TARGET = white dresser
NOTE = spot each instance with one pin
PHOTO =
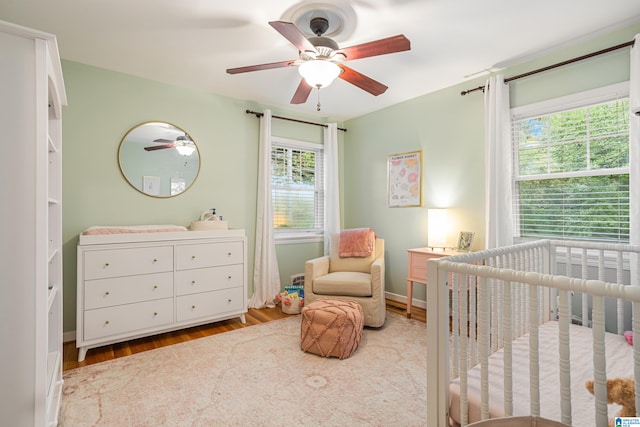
(139, 284)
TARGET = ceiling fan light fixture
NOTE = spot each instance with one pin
(319, 72)
(185, 148)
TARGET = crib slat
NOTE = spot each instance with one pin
(464, 355)
(483, 343)
(620, 303)
(599, 362)
(508, 356)
(564, 317)
(455, 326)
(534, 358)
(473, 321)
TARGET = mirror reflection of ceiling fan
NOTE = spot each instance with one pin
(183, 144)
(321, 59)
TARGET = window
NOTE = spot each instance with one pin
(297, 189)
(571, 167)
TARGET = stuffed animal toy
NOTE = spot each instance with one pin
(620, 391)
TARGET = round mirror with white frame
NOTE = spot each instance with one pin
(159, 159)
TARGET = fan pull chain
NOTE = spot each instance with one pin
(318, 106)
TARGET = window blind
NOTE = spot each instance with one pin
(297, 187)
(571, 173)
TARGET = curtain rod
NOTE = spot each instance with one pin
(559, 64)
(258, 114)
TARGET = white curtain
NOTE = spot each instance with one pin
(331, 185)
(266, 276)
(634, 152)
(497, 135)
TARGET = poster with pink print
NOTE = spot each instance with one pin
(404, 179)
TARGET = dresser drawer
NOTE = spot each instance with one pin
(125, 290)
(418, 266)
(105, 263)
(209, 279)
(209, 304)
(209, 255)
(103, 322)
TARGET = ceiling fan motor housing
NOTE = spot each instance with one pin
(319, 26)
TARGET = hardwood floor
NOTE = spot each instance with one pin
(253, 317)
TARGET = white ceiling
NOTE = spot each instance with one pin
(191, 43)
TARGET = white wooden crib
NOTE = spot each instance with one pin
(517, 331)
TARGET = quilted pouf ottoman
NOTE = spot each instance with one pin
(331, 328)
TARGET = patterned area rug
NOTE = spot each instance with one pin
(257, 376)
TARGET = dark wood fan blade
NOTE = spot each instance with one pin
(363, 82)
(166, 141)
(294, 35)
(158, 147)
(269, 66)
(302, 93)
(393, 44)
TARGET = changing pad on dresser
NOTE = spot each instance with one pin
(101, 229)
(146, 233)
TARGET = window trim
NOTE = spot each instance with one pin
(287, 237)
(569, 102)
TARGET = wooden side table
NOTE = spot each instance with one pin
(417, 269)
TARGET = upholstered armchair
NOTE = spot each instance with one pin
(359, 279)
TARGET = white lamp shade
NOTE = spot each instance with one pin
(319, 73)
(438, 228)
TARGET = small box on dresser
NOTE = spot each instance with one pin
(139, 284)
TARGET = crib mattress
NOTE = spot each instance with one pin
(619, 356)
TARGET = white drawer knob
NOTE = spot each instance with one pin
(155, 313)
(193, 282)
(155, 286)
(155, 260)
(106, 264)
(193, 307)
(106, 293)
(229, 302)
(228, 253)
(193, 257)
(106, 322)
(228, 277)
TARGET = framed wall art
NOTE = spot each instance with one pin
(404, 179)
(151, 185)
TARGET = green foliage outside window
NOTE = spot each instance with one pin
(293, 186)
(571, 174)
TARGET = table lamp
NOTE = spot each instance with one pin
(438, 226)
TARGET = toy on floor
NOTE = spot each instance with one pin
(628, 335)
(620, 391)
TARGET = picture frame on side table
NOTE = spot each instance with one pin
(404, 179)
(465, 241)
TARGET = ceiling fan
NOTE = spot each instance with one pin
(321, 59)
(182, 143)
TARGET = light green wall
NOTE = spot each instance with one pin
(449, 130)
(104, 105)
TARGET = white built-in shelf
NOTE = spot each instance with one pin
(53, 254)
(52, 146)
(52, 297)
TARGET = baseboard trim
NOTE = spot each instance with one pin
(69, 336)
(403, 299)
